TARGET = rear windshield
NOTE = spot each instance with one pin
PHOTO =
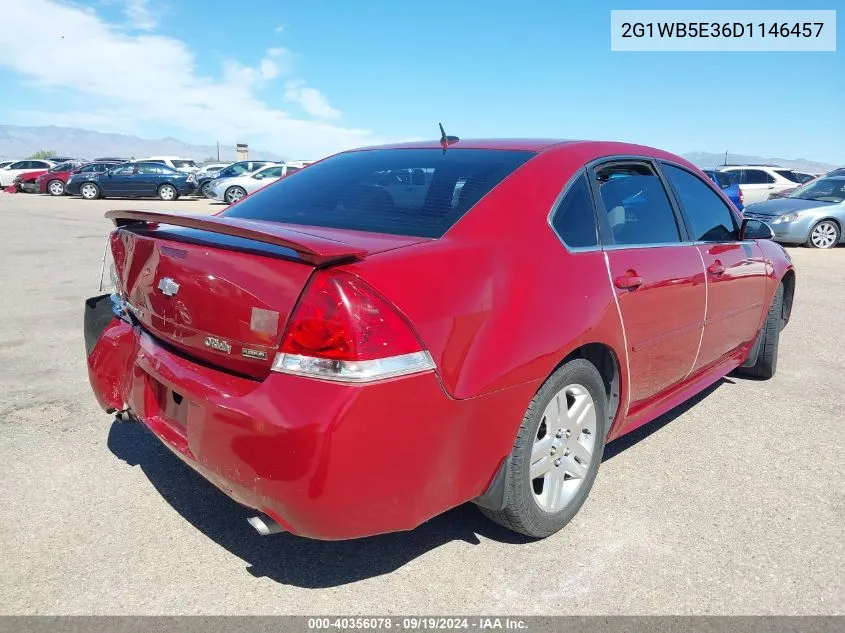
(419, 192)
(722, 178)
(786, 173)
(178, 164)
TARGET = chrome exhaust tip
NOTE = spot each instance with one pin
(265, 525)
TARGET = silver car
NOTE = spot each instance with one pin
(813, 214)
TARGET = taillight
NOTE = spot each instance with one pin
(342, 329)
(741, 197)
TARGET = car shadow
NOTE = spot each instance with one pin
(638, 435)
(308, 563)
(285, 558)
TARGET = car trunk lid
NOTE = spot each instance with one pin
(220, 290)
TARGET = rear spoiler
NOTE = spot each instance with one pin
(310, 248)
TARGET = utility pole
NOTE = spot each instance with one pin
(726, 158)
(218, 151)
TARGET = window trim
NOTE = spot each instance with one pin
(605, 236)
(680, 209)
(581, 171)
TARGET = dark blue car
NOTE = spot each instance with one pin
(729, 184)
(133, 180)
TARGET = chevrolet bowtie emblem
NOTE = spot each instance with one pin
(168, 287)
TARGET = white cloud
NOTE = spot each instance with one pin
(140, 15)
(280, 29)
(153, 80)
(310, 100)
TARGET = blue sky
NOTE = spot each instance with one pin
(314, 77)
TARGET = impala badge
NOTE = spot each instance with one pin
(254, 353)
(219, 344)
(168, 287)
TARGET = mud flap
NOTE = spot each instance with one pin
(99, 311)
(755, 350)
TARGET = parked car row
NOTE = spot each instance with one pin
(166, 177)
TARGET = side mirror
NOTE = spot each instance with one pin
(755, 230)
(259, 176)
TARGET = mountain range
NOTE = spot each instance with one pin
(20, 142)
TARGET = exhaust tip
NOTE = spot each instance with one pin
(265, 526)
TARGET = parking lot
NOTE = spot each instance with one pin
(732, 504)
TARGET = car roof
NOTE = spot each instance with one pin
(514, 144)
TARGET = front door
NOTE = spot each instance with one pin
(657, 275)
(736, 271)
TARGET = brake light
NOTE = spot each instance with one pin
(342, 329)
(741, 197)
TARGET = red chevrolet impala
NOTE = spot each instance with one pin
(395, 331)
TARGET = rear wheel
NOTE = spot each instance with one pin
(824, 234)
(204, 189)
(89, 191)
(168, 192)
(233, 194)
(557, 452)
(767, 354)
(56, 187)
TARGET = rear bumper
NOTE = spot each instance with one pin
(325, 460)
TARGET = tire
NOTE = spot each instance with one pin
(168, 193)
(538, 508)
(824, 234)
(56, 188)
(233, 194)
(204, 189)
(767, 355)
(90, 191)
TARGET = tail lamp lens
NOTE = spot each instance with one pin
(344, 330)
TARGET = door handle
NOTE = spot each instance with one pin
(628, 282)
(716, 268)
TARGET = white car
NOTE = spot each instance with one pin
(185, 165)
(230, 190)
(10, 172)
(6, 163)
(758, 181)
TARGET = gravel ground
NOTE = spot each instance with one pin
(736, 507)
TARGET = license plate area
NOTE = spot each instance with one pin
(172, 406)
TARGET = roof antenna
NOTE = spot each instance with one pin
(445, 141)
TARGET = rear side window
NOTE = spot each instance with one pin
(574, 219)
(369, 190)
(755, 177)
(789, 175)
(709, 217)
(636, 205)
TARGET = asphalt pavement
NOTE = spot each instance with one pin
(732, 504)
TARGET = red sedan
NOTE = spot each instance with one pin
(398, 330)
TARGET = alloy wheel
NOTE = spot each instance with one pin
(57, 188)
(89, 191)
(234, 194)
(824, 235)
(563, 448)
(167, 192)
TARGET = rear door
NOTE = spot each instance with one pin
(736, 271)
(656, 273)
(756, 185)
(118, 182)
(148, 178)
